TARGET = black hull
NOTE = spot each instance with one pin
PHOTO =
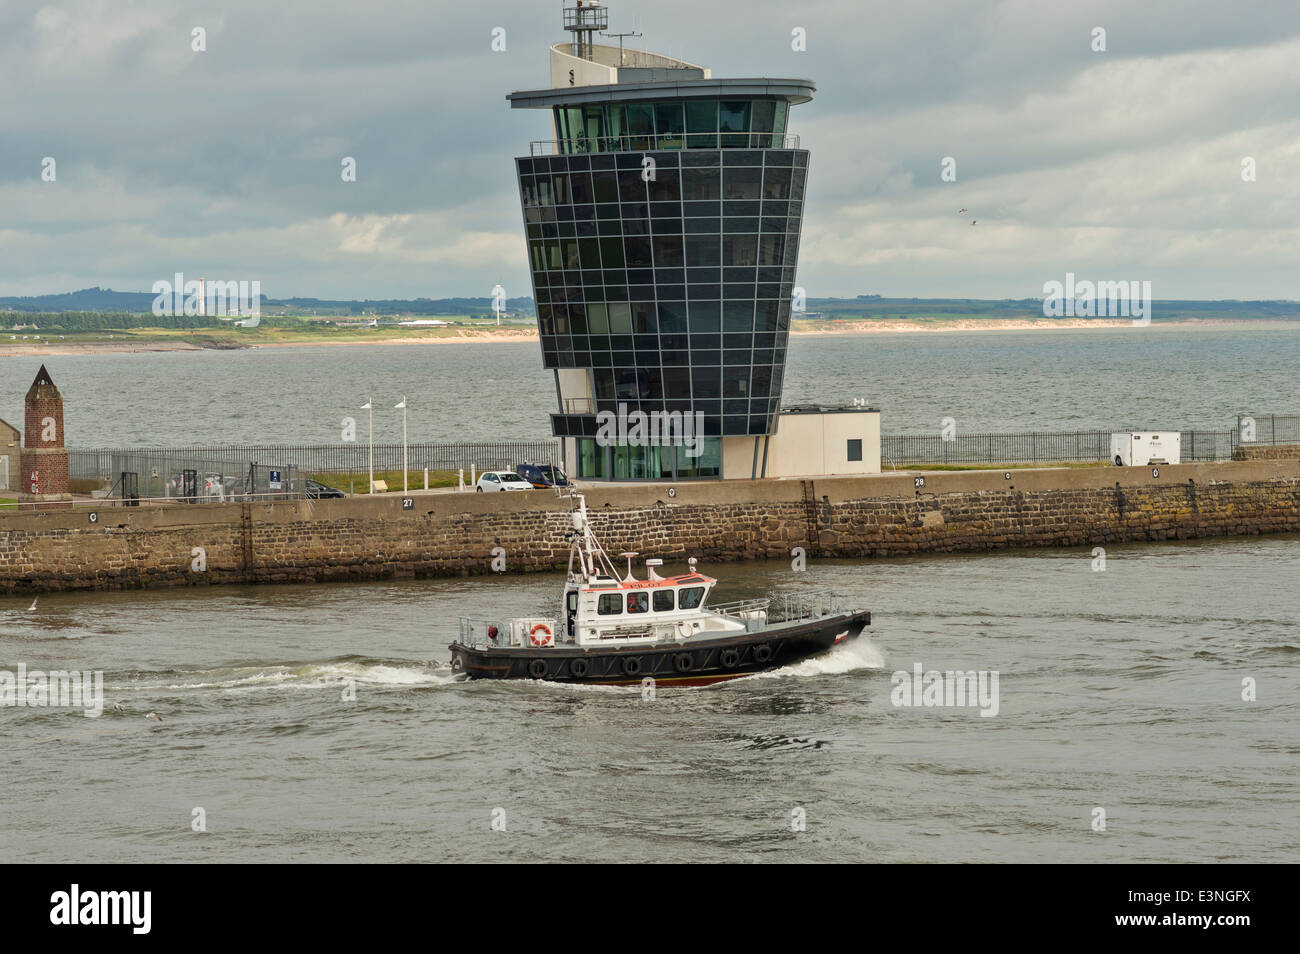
(692, 664)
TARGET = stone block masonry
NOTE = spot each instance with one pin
(364, 538)
(1266, 452)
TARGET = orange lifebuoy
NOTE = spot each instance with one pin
(545, 640)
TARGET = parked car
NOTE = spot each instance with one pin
(542, 476)
(318, 491)
(501, 480)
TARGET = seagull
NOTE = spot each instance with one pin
(118, 707)
(32, 608)
(960, 211)
(154, 715)
(972, 221)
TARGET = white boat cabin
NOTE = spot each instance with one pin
(603, 609)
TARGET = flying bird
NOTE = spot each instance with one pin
(972, 221)
(960, 211)
(32, 608)
(154, 715)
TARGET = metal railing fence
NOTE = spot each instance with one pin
(1012, 447)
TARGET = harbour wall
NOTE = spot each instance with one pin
(452, 534)
(1266, 452)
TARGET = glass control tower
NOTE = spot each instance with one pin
(663, 222)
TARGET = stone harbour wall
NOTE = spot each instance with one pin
(1266, 452)
(449, 534)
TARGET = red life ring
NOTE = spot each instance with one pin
(545, 640)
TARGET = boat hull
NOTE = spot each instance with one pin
(693, 663)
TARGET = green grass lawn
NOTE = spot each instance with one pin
(414, 478)
(295, 329)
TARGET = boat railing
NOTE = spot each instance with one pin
(502, 633)
(790, 607)
(741, 609)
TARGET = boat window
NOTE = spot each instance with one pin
(573, 602)
(611, 604)
(664, 601)
(690, 598)
(638, 602)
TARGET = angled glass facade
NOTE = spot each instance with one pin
(674, 292)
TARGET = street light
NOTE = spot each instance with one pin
(370, 406)
(403, 407)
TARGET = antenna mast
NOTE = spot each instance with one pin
(620, 43)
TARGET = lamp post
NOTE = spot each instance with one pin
(403, 407)
(370, 406)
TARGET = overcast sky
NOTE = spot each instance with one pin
(1118, 164)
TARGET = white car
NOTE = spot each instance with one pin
(501, 480)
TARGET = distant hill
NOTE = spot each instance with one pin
(107, 300)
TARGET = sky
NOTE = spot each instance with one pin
(1117, 164)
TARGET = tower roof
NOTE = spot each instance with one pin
(43, 380)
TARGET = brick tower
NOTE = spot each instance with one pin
(44, 458)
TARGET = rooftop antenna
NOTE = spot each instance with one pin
(582, 21)
(620, 43)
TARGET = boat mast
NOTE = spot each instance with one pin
(593, 556)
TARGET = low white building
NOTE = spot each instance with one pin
(810, 441)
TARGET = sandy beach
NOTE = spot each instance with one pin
(497, 335)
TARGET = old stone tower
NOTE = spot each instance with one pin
(44, 458)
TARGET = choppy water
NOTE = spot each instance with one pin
(1162, 377)
(1118, 689)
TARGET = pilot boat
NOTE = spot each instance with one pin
(619, 630)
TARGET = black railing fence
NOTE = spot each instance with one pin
(1267, 429)
(163, 463)
(1015, 447)
(218, 464)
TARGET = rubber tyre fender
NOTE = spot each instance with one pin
(762, 653)
(537, 668)
(683, 662)
(632, 666)
(729, 658)
(578, 668)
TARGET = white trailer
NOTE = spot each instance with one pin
(1141, 448)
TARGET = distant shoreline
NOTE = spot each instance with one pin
(815, 328)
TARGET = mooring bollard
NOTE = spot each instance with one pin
(426, 478)
(460, 480)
